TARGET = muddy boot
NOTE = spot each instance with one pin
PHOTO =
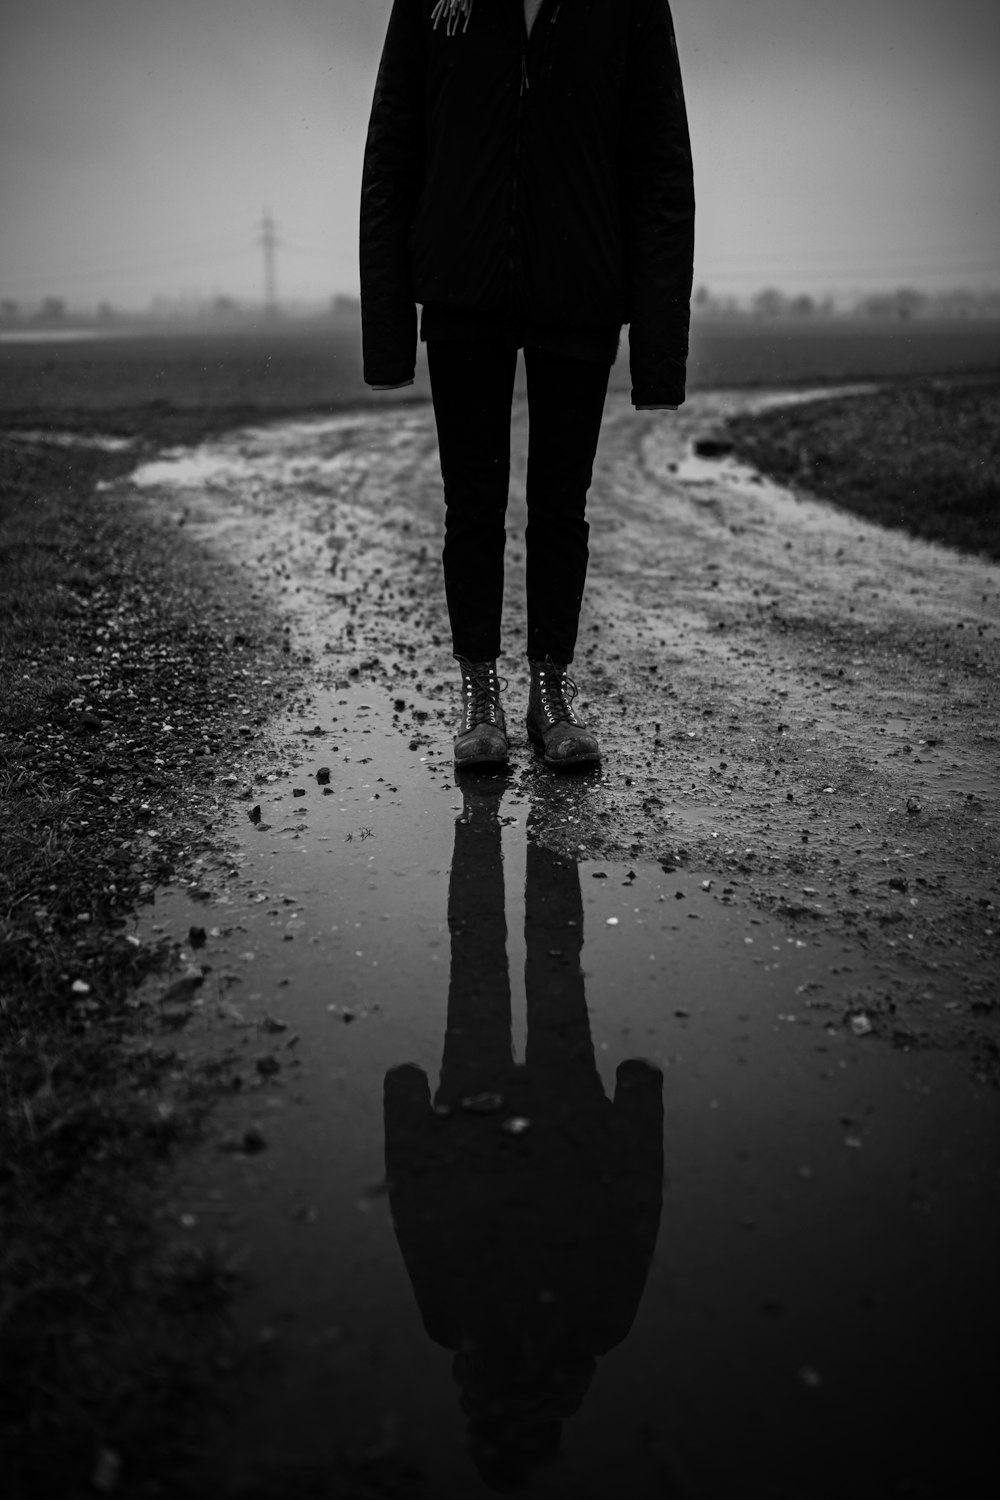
(482, 737)
(551, 720)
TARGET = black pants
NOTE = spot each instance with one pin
(472, 385)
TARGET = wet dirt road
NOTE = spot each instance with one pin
(634, 1132)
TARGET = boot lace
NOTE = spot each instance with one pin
(557, 690)
(480, 694)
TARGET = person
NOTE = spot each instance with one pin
(527, 181)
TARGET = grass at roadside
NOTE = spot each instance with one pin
(132, 673)
(921, 458)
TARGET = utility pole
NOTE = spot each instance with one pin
(268, 241)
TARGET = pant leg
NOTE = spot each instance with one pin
(472, 387)
(565, 406)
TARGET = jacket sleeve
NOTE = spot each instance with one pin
(391, 182)
(657, 209)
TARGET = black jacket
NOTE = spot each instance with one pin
(530, 182)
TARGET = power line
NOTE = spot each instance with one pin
(130, 268)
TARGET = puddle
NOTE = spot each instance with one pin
(572, 1173)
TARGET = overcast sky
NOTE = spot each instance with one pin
(839, 144)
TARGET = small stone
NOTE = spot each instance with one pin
(914, 806)
(516, 1125)
(175, 1015)
(712, 447)
(860, 1025)
(253, 1140)
(298, 791)
(254, 813)
(182, 989)
(323, 775)
(268, 1066)
(611, 922)
(197, 937)
(80, 987)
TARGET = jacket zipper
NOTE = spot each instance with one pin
(525, 85)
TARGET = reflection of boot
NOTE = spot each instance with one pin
(481, 798)
(551, 720)
(482, 735)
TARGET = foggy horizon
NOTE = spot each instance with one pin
(836, 153)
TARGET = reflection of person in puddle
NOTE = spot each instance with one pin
(527, 1245)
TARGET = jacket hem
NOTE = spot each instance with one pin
(438, 321)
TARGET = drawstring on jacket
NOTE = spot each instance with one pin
(451, 9)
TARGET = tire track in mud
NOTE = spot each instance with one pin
(787, 696)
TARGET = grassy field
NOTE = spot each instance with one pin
(923, 458)
(159, 382)
(791, 352)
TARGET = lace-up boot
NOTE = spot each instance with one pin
(482, 737)
(551, 720)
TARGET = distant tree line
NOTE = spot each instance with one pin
(56, 312)
(900, 304)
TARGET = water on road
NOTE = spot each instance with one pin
(542, 1169)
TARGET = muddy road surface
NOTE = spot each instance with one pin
(632, 1132)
